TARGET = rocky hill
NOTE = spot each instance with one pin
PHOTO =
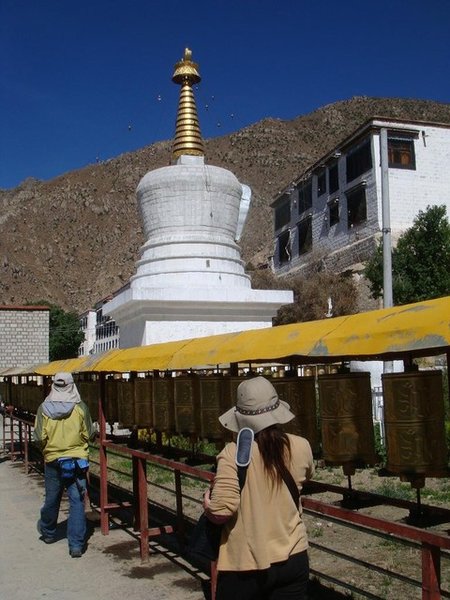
(75, 239)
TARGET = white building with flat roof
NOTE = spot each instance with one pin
(101, 333)
(333, 210)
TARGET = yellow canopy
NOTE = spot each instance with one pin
(420, 329)
(416, 329)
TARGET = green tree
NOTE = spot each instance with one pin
(420, 261)
(65, 333)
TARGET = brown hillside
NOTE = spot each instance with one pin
(74, 240)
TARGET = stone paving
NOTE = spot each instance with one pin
(110, 569)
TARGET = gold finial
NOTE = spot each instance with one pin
(188, 139)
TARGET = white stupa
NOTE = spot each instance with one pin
(190, 279)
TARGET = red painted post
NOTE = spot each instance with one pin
(104, 512)
(143, 507)
(25, 448)
(431, 572)
(179, 501)
(4, 431)
(213, 580)
(19, 421)
(11, 431)
(136, 506)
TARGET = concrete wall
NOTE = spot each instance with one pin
(429, 184)
(88, 321)
(24, 335)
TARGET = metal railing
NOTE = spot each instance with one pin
(434, 547)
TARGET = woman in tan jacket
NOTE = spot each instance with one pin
(263, 551)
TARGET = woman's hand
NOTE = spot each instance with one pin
(217, 519)
(206, 499)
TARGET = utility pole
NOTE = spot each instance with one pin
(386, 221)
(388, 301)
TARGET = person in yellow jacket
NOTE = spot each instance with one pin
(63, 428)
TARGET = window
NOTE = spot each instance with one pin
(333, 212)
(321, 183)
(284, 247)
(283, 213)
(333, 179)
(356, 206)
(359, 160)
(401, 153)
(305, 197)
(304, 229)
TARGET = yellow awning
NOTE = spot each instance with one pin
(141, 358)
(420, 329)
(70, 365)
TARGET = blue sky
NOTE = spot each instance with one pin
(91, 79)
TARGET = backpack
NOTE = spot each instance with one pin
(71, 467)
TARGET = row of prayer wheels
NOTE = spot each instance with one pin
(339, 426)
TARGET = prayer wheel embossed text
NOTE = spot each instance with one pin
(300, 394)
(414, 424)
(346, 416)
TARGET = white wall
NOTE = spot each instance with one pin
(413, 190)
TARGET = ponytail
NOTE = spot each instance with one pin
(275, 450)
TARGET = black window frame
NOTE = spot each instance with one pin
(305, 197)
(333, 178)
(283, 243)
(322, 182)
(304, 233)
(333, 212)
(356, 214)
(394, 161)
(359, 160)
(282, 214)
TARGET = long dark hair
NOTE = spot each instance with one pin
(275, 449)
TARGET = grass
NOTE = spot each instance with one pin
(121, 469)
(440, 495)
(396, 489)
(316, 531)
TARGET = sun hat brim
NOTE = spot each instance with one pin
(235, 421)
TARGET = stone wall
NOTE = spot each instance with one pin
(24, 335)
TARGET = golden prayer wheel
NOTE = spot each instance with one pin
(90, 392)
(414, 425)
(230, 391)
(18, 400)
(34, 395)
(111, 397)
(300, 394)
(163, 404)
(215, 399)
(187, 419)
(125, 403)
(347, 425)
(143, 402)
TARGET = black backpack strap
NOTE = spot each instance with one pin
(292, 486)
(242, 475)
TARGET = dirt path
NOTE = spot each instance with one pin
(110, 569)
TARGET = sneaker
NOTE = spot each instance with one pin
(75, 552)
(45, 538)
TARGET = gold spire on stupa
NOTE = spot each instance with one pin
(188, 139)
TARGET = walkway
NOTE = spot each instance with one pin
(110, 569)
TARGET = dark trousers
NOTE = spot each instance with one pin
(54, 487)
(286, 580)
